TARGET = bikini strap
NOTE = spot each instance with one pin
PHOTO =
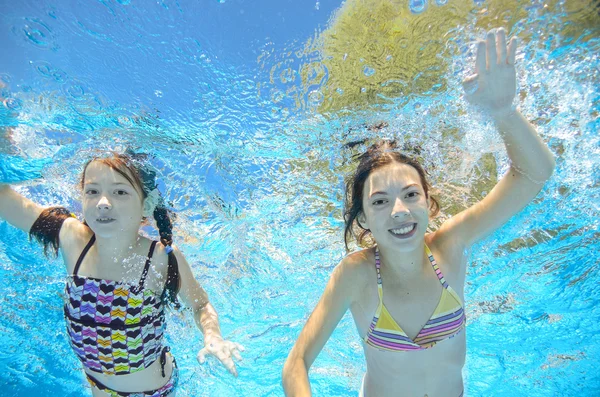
(147, 265)
(83, 254)
(435, 266)
(378, 268)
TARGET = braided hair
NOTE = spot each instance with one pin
(136, 169)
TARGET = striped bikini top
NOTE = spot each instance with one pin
(114, 327)
(447, 320)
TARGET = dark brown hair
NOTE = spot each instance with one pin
(46, 229)
(377, 155)
(133, 168)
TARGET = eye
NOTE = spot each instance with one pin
(379, 202)
(412, 194)
(91, 191)
(121, 192)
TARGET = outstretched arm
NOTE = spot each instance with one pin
(334, 302)
(54, 227)
(207, 320)
(17, 210)
(493, 89)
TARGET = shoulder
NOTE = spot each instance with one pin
(449, 252)
(356, 269)
(445, 241)
(158, 262)
(74, 234)
(160, 259)
(358, 261)
(159, 254)
(182, 262)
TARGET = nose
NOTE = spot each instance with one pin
(104, 204)
(399, 210)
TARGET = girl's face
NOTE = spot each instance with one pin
(111, 205)
(395, 207)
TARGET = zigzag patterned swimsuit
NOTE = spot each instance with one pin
(116, 328)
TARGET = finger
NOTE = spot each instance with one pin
(470, 79)
(223, 354)
(236, 354)
(480, 59)
(501, 46)
(491, 49)
(470, 84)
(201, 357)
(512, 50)
(228, 363)
(238, 346)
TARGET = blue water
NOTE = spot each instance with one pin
(255, 171)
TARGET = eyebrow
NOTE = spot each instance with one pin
(114, 184)
(403, 189)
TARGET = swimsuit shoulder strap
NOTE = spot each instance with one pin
(83, 254)
(436, 268)
(378, 268)
(147, 265)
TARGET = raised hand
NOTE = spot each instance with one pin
(493, 86)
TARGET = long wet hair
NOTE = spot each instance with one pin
(134, 168)
(376, 156)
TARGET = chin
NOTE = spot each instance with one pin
(112, 230)
(407, 247)
(104, 232)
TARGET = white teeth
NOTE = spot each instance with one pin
(404, 230)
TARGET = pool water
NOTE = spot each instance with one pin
(246, 108)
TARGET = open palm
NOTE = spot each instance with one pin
(493, 86)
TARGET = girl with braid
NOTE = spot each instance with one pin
(120, 281)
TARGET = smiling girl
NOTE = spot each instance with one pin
(119, 281)
(406, 292)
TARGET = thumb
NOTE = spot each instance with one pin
(201, 357)
(470, 84)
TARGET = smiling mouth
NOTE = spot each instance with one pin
(105, 221)
(404, 231)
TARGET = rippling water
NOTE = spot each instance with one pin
(246, 109)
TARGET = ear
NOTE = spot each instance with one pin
(150, 203)
(362, 221)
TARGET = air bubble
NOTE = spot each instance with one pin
(368, 71)
(36, 32)
(277, 96)
(74, 89)
(315, 97)
(12, 103)
(47, 70)
(417, 6)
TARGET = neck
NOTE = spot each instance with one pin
(404, 264)
(117, 248)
